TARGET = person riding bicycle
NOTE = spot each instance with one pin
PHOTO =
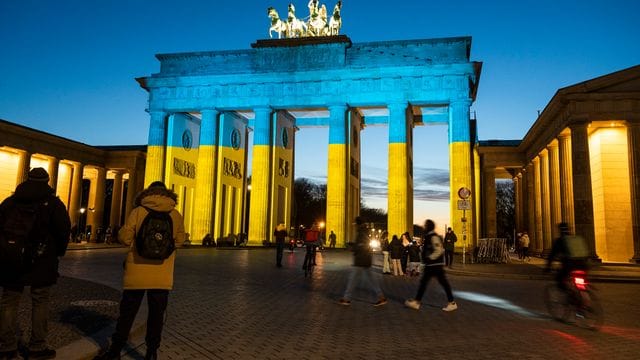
(572, 251)
(311, 242)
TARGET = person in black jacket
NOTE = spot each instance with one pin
(361, 265)
(53, 229)
(395, 251)
(433, 259)
(280, 233)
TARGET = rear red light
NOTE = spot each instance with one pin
(580, 280)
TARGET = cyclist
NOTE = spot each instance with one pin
(311, 242)
(572, 251)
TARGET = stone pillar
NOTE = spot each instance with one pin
(489, 195)
(261, 175)
(531, 203)
(132, 192)
(76, 194)
(566, 180)
(516, 196)
(546, 203)
(156, 149)
(582, 192)
(52, 169)
(116, 201)
(338, 173)
(536, 241)
(24, 165)
(554, 188)
(95, 215)
(633, 144)
(399, 174)
(460, 169)
(206, 176)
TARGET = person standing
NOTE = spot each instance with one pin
(395, 251)
(332, 239)
(404, 259)
(433, 259)
(361, 265)
(145, 275)
(524, 245)
(280, 234)
(384, 245)
(450, 239)
(50, 229)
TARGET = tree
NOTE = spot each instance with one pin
(505, 208)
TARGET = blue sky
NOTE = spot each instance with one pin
(68, 66)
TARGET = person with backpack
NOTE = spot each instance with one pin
(34, 232)
(151, 231)
(433, 259)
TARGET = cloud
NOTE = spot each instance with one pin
(430, 177)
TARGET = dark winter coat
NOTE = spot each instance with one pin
(396, 248)
(450, 239)
(361, 250)
(55, 224)
(414, 252)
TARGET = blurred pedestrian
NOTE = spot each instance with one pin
(433, 259)
(332, 239)
(395, 252)
(143, 274)
(361, 268)
(32, 215)
(280, 233)
(450, 239)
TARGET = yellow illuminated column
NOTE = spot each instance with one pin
(399, 171)
(54, 163)
(460, 170)
(476, 202)
(489, 193)
(116, 200)
(531, 203)
(566, 179)
(633, 146)
(554, 188)
(260, 176)
(582, 191)
(76, 193)
(536, 241)
(337, 173)
(205, 176)
(23, 167)
(156, 149)
(544, 246)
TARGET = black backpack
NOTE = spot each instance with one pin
(155, 237)
(22, 239)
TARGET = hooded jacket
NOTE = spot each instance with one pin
(55, 223)
(142, 273)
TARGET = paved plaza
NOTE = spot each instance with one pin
(236, 304)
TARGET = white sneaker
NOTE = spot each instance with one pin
(412, 304)
(450, 306)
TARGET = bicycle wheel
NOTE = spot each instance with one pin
(557, 303)
(590, 314)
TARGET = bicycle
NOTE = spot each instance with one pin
(309, 260)
(578, 302)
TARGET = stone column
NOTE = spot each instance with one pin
(116, 201)
(24, 165)
(98, 203)
(536, 243)
(398, 170)
(582, 192)
(633, 145)
(261, 175)
(554, 188)
(460, 169)
(52, 169)
(566, 180)
(531, 203)
(338, 173)
(546, 203)
(517, 184)
(156, 149)
(489, 195)
(132, 192)
(76, 194)
(206, 176)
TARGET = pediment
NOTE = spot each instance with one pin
(627, 80)
(632, 85)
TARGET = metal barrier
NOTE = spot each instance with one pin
(492, 250)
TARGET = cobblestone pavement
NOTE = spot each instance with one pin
(235, 304)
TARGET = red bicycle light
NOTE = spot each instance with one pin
(579, 279)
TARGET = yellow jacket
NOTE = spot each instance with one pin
(141, 273)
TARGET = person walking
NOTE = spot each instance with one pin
(143, 274)
(395, 251)
(280, 234)
(34, 216)
(384, 246)
(433, 259)
(332, 239)
(450, 239)
(361, 265)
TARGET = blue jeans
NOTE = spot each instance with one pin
(9, 317)
(364, 276)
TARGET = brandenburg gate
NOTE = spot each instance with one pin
(202, 106)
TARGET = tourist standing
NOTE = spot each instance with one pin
(384, 246)
(33, 206)
(395, 252)
(280, 233)
(450, 239)
(524, 245)
(332, 239)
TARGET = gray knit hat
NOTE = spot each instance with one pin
(38, 174)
